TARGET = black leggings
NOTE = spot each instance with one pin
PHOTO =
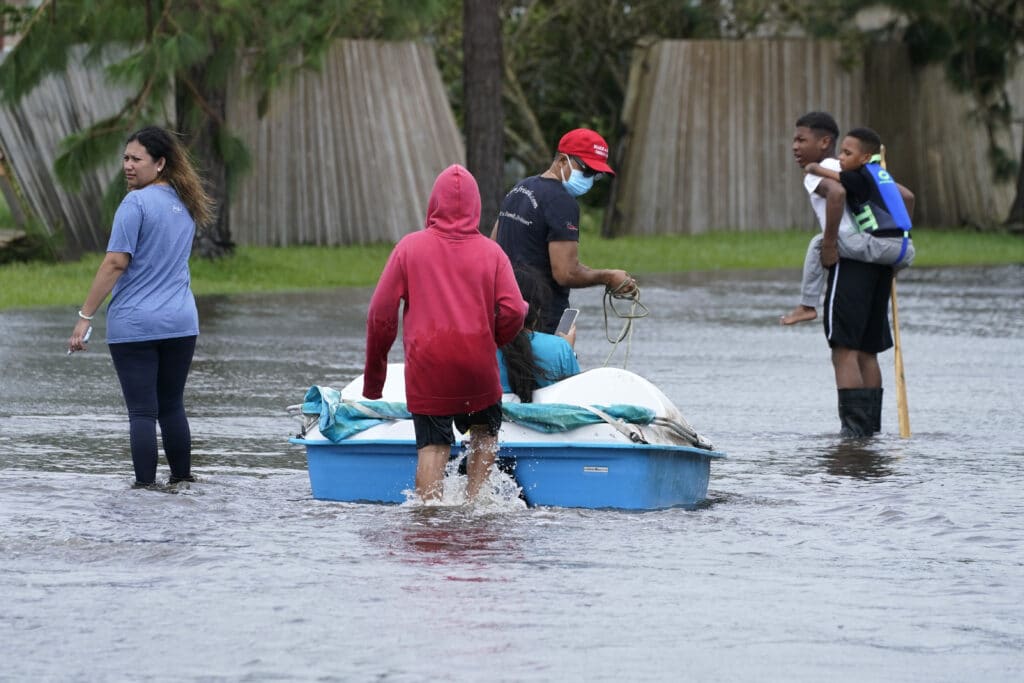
(152, 375)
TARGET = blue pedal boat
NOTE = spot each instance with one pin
(606, 438)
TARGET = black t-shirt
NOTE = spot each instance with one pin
(858, 185)
(537, 211)
(861, 192)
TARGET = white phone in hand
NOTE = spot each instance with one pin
(569, 316)
(85, 337)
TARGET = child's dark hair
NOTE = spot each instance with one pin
(520, 364)
(820, 122)
(869, 141)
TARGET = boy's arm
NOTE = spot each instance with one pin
(817, 169)
(908, 199)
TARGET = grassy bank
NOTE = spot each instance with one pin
(254, 269)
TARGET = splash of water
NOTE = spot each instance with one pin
(499, 493)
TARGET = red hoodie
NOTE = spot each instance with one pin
(461, 302)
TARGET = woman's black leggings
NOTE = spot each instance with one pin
(153, 375)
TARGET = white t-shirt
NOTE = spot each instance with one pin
(811, 182)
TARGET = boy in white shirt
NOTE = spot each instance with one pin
(870, 245)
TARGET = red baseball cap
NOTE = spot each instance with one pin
(588, 146)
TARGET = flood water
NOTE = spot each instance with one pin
(893, 560)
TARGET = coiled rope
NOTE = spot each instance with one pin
(613, 301)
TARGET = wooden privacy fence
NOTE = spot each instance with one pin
(708, 128)
(345, 155)
(30, 136)
(348, 154)
(934, 144)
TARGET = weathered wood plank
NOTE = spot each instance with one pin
(349, 154)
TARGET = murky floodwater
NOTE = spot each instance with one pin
(896, 560)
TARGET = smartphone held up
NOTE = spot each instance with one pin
(568, 319)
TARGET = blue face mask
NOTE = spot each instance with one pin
(577, 184)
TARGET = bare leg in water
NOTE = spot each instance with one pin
(482, 450)
(430, 466)
(856, 369)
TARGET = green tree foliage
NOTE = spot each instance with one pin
(980, 43)
(566, 64)
(177, 58)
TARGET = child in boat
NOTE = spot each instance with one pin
(535, 359)
(881, 210)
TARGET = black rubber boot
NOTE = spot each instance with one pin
(876, 410)
(855, 412)
(177, 480)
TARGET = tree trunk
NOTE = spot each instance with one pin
(1015, 221)
(201, 114)
(482, 106)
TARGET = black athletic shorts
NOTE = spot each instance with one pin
(435, 430)
(856, 306)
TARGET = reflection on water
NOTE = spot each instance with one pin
(439, 535)
(813, 558)
(858, 459)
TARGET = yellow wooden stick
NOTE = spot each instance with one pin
(901, 386)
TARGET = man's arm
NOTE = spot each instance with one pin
(569, 272)
(494, 231)
(835, 204)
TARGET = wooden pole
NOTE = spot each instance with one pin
(901, 385)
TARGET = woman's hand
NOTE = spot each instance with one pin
(77, 340)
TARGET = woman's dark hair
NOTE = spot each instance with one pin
(520, 365)
(178, 171)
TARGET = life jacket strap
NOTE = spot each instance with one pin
(903, 247)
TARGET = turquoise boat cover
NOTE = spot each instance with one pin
(340, 419)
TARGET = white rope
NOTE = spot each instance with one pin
(636, 310)
(631, 432)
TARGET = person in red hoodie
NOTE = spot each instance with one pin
(461, 302)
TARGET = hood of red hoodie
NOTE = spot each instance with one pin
(454, 207)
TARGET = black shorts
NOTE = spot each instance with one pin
(856, 306)
(436, 430)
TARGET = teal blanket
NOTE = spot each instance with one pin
(341, 419)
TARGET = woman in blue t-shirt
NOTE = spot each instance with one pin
(152, 321)
(535, 359)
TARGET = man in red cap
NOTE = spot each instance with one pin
(538, 223)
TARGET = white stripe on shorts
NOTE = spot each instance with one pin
(832, 300)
